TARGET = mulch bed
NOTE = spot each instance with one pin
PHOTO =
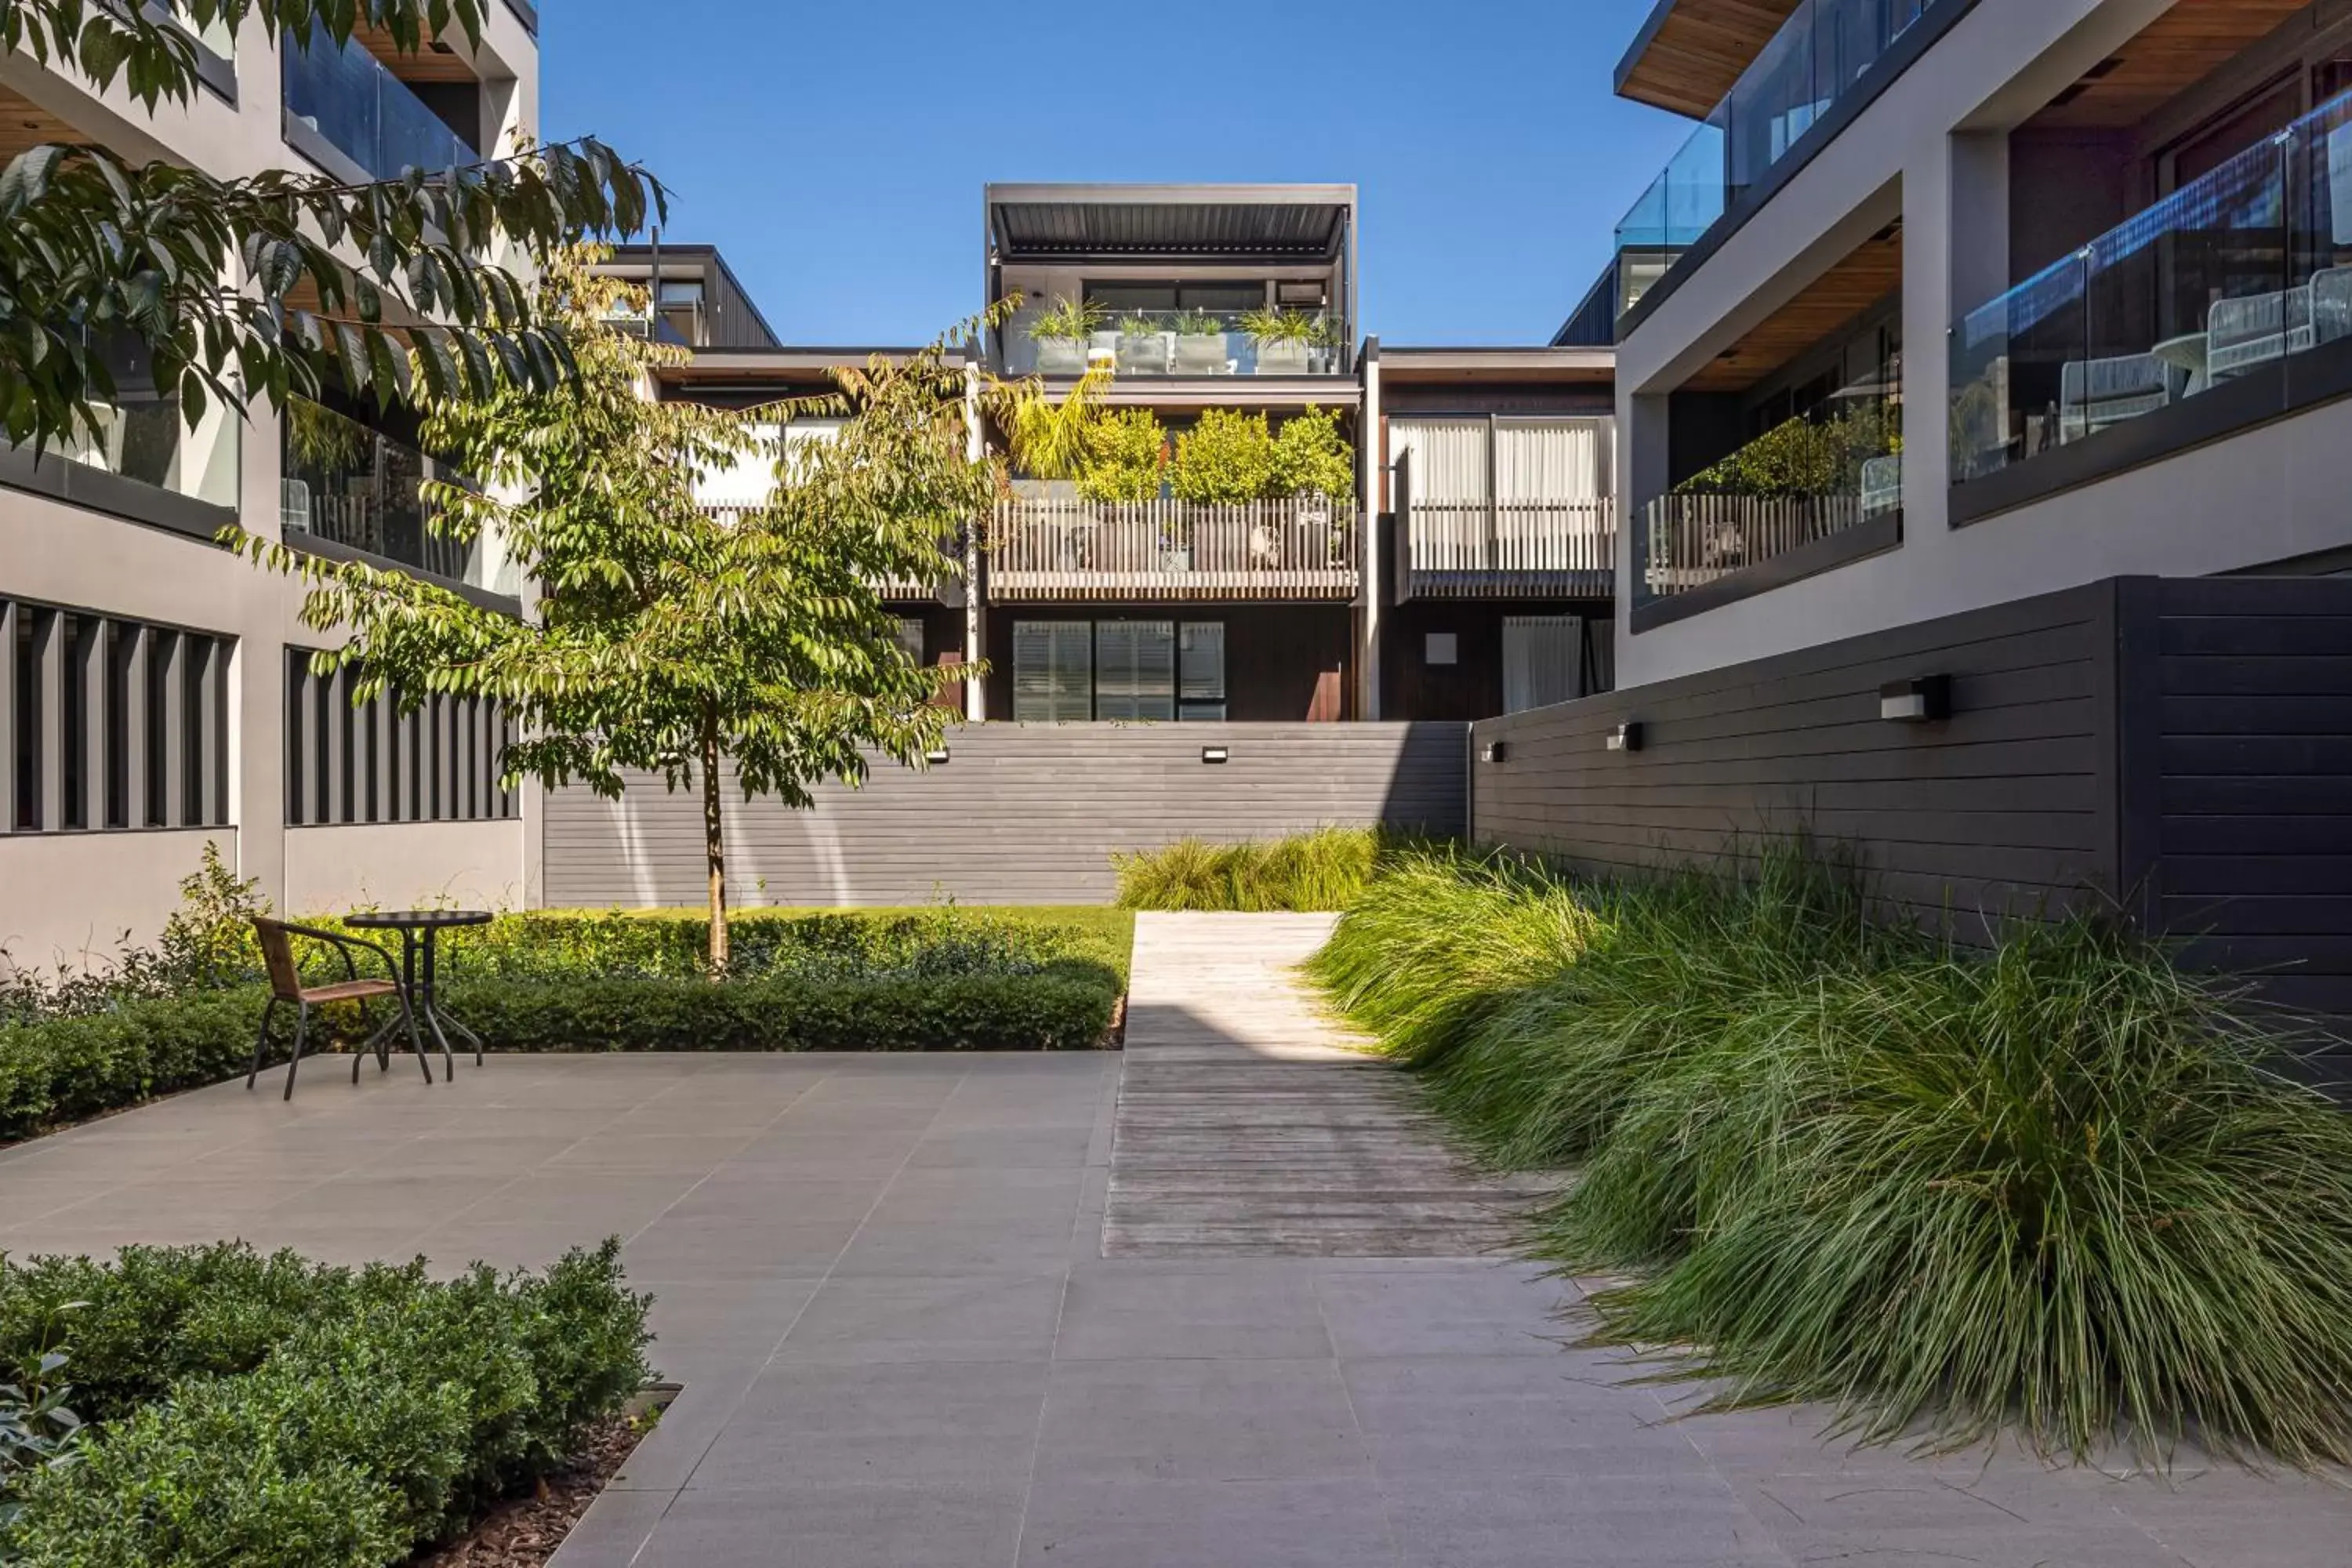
(523, 1532)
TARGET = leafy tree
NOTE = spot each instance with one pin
(252, 286)
(667, 639)
(1227, 456)
(1311, 457)
(1126, 456)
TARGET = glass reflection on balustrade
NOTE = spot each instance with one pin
(1818, 59)
(142, 434)
(365, 112)
(354, 486)
(2237, 271)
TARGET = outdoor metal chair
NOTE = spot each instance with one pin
(276, 938)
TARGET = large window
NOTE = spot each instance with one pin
(1137, 672)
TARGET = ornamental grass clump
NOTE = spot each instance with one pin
(2057, 1188)
(1318, 871)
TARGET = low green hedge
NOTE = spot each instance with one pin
(972, 1013)
(55, 1071)
(271, 1413)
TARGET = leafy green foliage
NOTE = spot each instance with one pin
(1806, 457)
(2057, 1187)
(668, 639)
(1267, 325)
(1227, 456)
(1311, 457)
(92, 245)
(276, 1412)
(1230, 458)
(1126, 457)
(39, 1429)
(1326, 870)
(1067, 320)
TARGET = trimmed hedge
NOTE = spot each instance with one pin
(970, 1013)
(273, 1413)
(60, 1070)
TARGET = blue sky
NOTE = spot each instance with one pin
(835, 151)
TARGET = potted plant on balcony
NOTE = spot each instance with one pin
(1142, 345)
(1330, 344)
(1285, 340)
(1200, 347)
(1062, 335)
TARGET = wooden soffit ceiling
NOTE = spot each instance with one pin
(1867, 275)
(1691, 51)
(25, 125)
(434, 60)
(2165, 60)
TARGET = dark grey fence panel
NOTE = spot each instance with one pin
(1016, 815)
(2006, 806)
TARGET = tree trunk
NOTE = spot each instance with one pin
(714, 841)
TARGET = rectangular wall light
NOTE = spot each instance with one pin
(1213, 755)
(937, 755)
(1626, 737)
(1924, 700)
(1495, 751)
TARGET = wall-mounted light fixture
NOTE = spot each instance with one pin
(937, 756)
(1926, 699)
(1626, 737)
(1213, 755)
(1495, 751)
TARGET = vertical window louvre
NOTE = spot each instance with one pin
(1053, 672)
(1135, 671)
(110, 724)
(1200, 670)
(351, 763)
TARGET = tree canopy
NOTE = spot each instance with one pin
(667, 637)
(257, 285)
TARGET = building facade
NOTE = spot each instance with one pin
(1983, 441)
(155, 688)
(1464, 571)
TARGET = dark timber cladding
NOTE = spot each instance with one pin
(2181, 746)
(1017, 813)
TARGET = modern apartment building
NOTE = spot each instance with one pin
(2055, 287)
(154, 689)
(1467, 570)
(1983, 444)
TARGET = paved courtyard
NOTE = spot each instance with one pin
(961, 1311)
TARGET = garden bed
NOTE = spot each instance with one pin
(882, 980)
(274, 1413)
(526, 1532)
(2057, 1187)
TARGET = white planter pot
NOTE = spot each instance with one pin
(1143, 353)
(1204, 354)
(1282, 359)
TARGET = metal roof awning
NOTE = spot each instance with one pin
(1298, 224)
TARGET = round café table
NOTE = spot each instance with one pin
(419, 930)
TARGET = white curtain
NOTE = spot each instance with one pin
(1553, 459)
(1448, 458)
(746, 481)
(1542, 662)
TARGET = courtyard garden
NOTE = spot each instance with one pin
(2052, 1187)
(186, 1012)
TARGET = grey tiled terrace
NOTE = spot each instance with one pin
(883, 1281)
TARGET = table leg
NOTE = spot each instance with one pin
(432, 1007)
(416, 998)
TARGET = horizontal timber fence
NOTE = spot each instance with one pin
(1016, 814)
(2180, 746)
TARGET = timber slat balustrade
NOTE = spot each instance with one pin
(1051, 547)
(1464, 549)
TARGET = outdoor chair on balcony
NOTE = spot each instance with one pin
(2255, 329)
(286, 985)
(2096, 394)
